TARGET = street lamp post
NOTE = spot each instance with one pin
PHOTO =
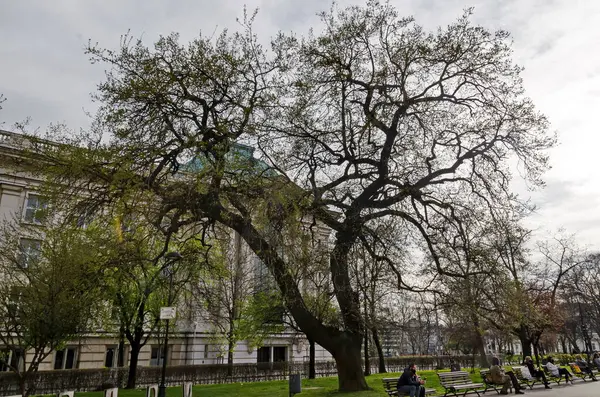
(170, 257)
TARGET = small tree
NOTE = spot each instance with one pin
(135, 263)
(50, 289)
(233, 297)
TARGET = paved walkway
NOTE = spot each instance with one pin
(579, 389)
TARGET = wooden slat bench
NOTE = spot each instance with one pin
(487, 381)
(525, 381)
(550, 377)
(580, 374)
(459, 382)
(391, 388)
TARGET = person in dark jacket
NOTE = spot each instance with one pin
(585, 367)
(410, 383)
(597, 360)
(536, 373)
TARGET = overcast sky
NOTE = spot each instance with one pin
(46, 76)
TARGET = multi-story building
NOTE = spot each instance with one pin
(193, 342)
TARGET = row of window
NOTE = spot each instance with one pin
(67, 358)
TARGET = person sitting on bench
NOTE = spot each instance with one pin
(558, 371)
(597, 360)
(499, 377)
(410, 383)
(584, 367)
(536, 373)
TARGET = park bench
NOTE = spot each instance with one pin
(550, 377)
(459, 382)
(391, 388)
(580, 374)
(487, 381)
(529, 382)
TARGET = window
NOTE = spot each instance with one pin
(13, 301)
(263, 354)
(35, 207)
(279, 353)
(157, 356)
(264, 281)
(65, 359)
(11, 358)
(85, 219)
(110, 357)
(206, 351)
(30, 251)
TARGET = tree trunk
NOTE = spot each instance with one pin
(480, 348)
(23, 386)
(537, 354)
(525, 343)
(312, 373)
(350, 373)
(230, 356)
(120, 357)
(366, 351)
(563, 345)
(377, 342)
(345, 345)
(121, 349)
(133, 364)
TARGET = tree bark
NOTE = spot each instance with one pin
(344, 345)
(525, 343)
(312, 373)
(366, 351)
(537, 354)
(230, 356)
(563, 345)
(121, 349)
(377, 342)
(133, 364)
(480, 346)
(347, 358)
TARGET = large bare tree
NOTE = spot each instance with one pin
(371, 118)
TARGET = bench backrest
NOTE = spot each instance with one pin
(518, 372)
(484, 375)
(390, 383)
(454, 378)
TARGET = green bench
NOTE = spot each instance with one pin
(550, 377)
(582, 375)
(391, 388)
(459, 382)
(525, 381)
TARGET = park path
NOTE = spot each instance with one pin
(579, 389)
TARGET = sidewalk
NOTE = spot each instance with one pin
(579, 389)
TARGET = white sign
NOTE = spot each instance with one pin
(167, 313)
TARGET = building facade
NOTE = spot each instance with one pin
(192, 342)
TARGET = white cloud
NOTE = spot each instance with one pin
(45, 74)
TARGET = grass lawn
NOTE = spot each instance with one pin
(310, 388)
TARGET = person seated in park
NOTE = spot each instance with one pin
(410, 383)
(597, 360)
(558, 371)
(536, 373)
(585, 367)
(499, 377)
